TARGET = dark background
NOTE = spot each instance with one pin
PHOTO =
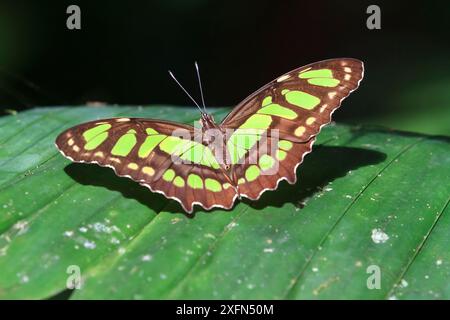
(124, 49)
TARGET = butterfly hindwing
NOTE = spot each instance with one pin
(148, 152)
(264, 167)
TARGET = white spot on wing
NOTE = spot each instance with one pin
(323, 108)
(283, 77)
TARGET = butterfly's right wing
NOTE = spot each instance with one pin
(295, 106)
(160, 155)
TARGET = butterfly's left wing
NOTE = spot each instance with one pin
(161, 155)
(296, 105)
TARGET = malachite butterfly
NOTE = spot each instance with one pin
(273, 128)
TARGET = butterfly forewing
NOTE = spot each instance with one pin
(301, 101)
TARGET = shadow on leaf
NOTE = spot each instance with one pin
(322, 166)
(94, 175)
(319, 168)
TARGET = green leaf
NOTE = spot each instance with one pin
(365, 196)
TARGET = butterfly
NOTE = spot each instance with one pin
(259, 143)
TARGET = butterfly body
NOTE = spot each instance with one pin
(260, 142)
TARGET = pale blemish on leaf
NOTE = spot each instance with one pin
(378, 236)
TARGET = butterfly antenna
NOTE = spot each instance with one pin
(198, 106)
(200, 85)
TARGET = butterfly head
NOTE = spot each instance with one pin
(207, 121)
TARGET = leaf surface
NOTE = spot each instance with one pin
(365, 196)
